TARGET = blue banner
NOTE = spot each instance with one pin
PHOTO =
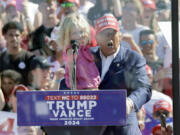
(71, 108)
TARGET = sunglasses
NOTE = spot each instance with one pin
(67, 4)
(144, 42)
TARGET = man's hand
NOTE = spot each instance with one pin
(129, 106)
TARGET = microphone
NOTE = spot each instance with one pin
(75, 46)
(110, 44)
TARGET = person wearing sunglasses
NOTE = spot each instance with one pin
(67, 7)
(148, 44)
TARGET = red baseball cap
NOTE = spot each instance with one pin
(77, 2)
(162, 105)
(106, 21)
(149, 3)
(19, 87)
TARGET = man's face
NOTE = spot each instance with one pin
(108, 40)
(148, 44)
(13, 40)
(50, 9)
(41, 76)
(129, 13)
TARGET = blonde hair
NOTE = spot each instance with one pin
(72, 21)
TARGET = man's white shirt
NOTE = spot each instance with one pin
(106, 62)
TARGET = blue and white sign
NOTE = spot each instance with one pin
(71, 108)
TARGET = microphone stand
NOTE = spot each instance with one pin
(75, 54)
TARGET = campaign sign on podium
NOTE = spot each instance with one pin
(71, 108)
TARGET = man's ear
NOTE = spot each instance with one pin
(97, 37)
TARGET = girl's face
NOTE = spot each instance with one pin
(78, 35)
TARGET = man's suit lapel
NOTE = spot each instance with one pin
(115, 66)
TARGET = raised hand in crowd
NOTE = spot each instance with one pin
(129, 39)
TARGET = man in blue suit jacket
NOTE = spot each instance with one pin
(121, 68)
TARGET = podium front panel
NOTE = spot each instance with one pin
(71, 108)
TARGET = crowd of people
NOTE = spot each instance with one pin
(120, 46)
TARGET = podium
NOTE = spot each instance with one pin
(74, 112)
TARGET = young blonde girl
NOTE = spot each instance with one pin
(75, 27)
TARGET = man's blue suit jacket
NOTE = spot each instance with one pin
(127, 71)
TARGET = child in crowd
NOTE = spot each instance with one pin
(75, 27)
(9, 78)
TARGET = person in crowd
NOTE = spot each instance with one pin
(11, 14)
(9, 78)
(163, 10)
(56, 59)
(76, 28)
(15, 57)
(39, 74)
(130, 22)
(148, 44)
(156, 95)
(162, 107)
(71, 6)
(50, 20)
(104, 6)
(149, 19)
(67, 7)
(29, 10)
